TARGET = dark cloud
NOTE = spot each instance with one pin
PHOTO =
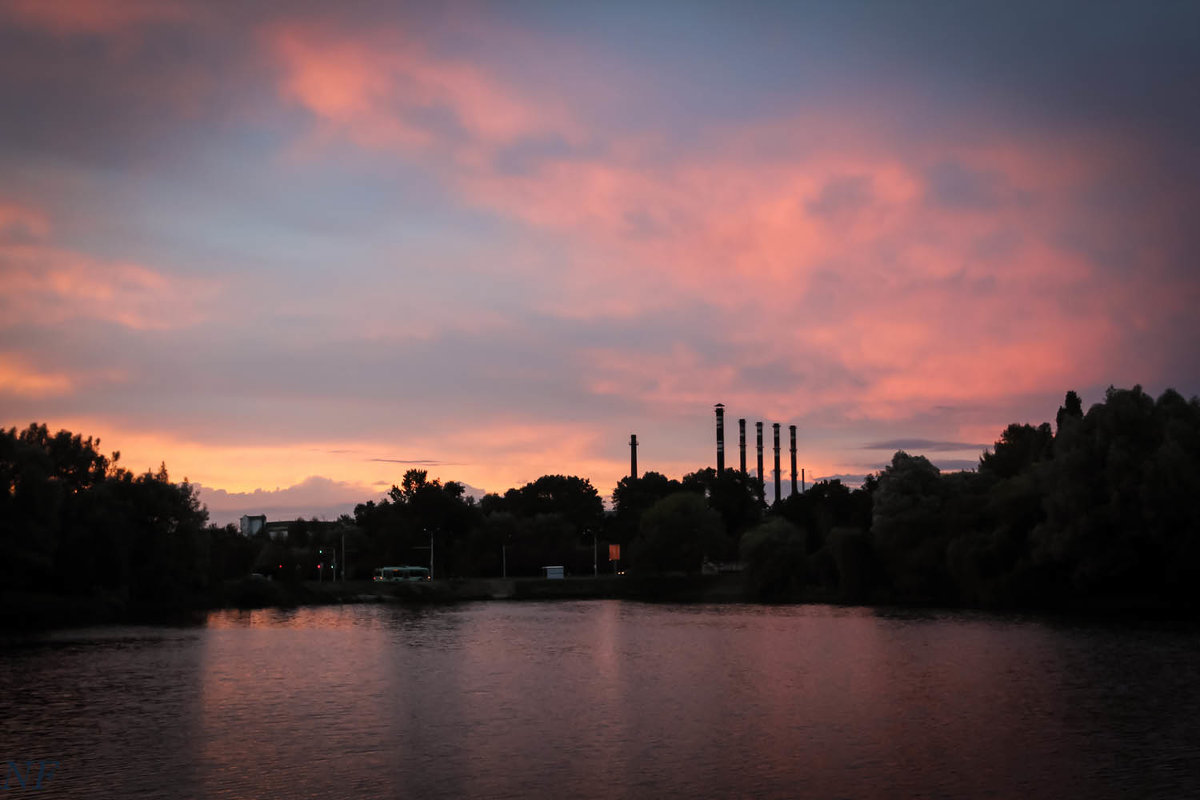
(954, 186)
(841, 196)
(133, 98)
(525, 157)
(816, 370)
(1071, 64)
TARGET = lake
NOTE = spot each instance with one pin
(605, 699)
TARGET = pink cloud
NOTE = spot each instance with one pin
(923, 315)
(46, 285)
(382, 91)
(743, 226)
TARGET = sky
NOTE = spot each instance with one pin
(294, 249)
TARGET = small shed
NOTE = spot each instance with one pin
(553, 573)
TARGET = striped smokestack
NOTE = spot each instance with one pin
(775, 425)
(761, 478)
(720, 439)
(792, 430)
(633, 456)
(742, 443)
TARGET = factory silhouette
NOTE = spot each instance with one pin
(797, 477)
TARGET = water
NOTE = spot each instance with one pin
(606, 699)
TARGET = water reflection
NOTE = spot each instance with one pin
(105, 704)
(609, 699)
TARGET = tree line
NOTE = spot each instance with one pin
(1098, 510)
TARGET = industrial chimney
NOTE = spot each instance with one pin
(633, 456)
(742, 444)
(792, 430)
(720, 439)
(761, 477)
(775, 425)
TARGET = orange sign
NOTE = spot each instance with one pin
(614, 552)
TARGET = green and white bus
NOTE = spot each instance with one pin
(401, 574)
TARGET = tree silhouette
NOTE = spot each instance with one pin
(678, 533)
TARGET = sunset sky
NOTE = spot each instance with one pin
(294, 249)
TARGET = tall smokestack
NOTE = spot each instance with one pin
(761, 477)
(633, 456)
(720, 439)
(775, 425)
(792, 431)
(742, 443)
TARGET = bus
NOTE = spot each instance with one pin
(401, 574)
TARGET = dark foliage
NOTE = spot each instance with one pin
(554, 520)
(74, 523)
(1100, 514)
(679, 534)
(415, 516)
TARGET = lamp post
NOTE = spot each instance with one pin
(415, 547)
(321, 562)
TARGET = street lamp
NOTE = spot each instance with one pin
(321, 563)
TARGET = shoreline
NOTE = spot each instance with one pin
(24, 613)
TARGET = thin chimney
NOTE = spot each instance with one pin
(633, 456)
(742, 443)
(792, 430)
(761, 477)
(720, 407)
(775, 425)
